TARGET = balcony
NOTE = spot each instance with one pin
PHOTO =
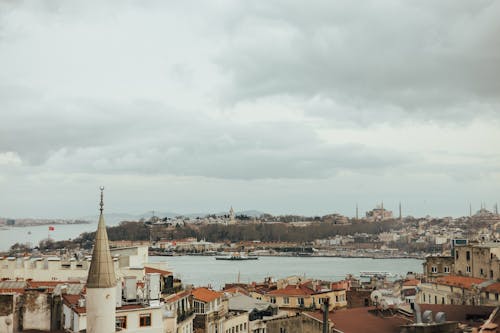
(184, 315)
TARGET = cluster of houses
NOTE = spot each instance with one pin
(120, 290)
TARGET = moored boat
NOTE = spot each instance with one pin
(237, 256)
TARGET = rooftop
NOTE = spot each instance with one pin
(459, 281)
(206, 295)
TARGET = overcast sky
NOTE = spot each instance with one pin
(286, 106)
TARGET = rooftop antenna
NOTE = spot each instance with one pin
(400, 215)
(470, 209)
(357, 216)
(496, 208)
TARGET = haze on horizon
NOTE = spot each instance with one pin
(286, 107)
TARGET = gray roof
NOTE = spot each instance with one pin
(247, 303)
(102, 270)
(71, 288)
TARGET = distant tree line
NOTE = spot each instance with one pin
(265, 232)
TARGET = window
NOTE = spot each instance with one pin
(241, 327)
(496, 296)
(435, 300)
(467, 269)
(456, 255)
(336, 298)
(467, 255)
(491, 274)
(424, 297)
(272, 300)
(442, 300)
(487, 295)
(199, 307)
(121, 321)
(244, 326)
(237, 329)
(301, 301)
(434, 269)
(446, 269)
(286, 300)
(481, 271)
(145, 319)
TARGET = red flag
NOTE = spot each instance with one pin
(51, 228)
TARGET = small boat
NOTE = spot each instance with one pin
(236, 256)
(375, 274)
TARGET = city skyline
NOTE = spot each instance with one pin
(280, 107)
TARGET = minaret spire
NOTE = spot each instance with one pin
(102, 271)
(101, 204)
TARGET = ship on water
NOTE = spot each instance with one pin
(236, 256)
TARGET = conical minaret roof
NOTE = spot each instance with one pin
(102, 271)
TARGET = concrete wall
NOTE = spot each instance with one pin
(238, 322)
(36, 310)
(482, 261)
(133, 320)
(8, 322)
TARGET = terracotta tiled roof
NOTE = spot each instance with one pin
(156, 270)
(235, 290)
(493, 288)
(72, 302)
(292, 290)
(359, 320)
(204, 294)
(411, 283)
(178, 296)
(459, 281)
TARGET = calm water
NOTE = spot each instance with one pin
(34, 235)
(199, 270)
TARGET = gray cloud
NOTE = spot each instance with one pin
(250, 93)
(437, 60)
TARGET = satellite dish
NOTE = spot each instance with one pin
(440, 317)
(427, 316)
(376, 296)
(8, 321)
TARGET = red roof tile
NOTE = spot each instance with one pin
(362, 320)
(204, 294)
(178, 296)
(459, 281)
(292, 290)
(156, 270)
(411, 283)
(495, 288)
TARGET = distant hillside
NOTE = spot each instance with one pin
(115, 218)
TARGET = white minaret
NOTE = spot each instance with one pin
(101, 283)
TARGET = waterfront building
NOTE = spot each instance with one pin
(127, 261)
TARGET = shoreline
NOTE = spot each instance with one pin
(153, 254)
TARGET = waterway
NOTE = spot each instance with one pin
(34, 234)
(205, 270)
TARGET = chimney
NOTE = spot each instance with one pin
(325, 315)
